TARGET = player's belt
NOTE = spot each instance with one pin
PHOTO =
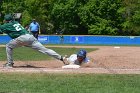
(25, 34)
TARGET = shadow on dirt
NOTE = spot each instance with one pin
(27, 66)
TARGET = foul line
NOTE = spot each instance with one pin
(69, 70)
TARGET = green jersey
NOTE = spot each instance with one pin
(13, 29)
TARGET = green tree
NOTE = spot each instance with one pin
(65, 18)
(94, 17)
(131, 26)
(0, 12)
(29, 8)
(36, 9)
(101, 17)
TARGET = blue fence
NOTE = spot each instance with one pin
(4, 39)
(74, 39)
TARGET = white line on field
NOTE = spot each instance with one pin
(79, 70)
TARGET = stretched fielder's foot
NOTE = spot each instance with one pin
(8, 65)
(64, 60)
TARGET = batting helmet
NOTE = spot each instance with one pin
(82, 53)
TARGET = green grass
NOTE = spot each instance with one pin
(68, 83)
(62, 83)
(25, 53)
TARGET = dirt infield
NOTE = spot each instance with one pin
(108, 59)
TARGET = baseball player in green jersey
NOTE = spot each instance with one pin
(21, 37)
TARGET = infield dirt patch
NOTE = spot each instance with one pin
(107, 59)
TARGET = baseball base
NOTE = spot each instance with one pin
(71, 66)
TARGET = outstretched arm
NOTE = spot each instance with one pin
(88, 64)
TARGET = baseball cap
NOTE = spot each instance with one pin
(8, 17)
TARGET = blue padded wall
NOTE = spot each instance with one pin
(75, 39)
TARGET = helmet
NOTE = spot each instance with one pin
(8, 17)
(82, 53)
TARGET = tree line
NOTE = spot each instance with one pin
(78, 17)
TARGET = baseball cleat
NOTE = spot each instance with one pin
(8, 65)
(65, 61)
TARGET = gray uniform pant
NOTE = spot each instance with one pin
(28, 41)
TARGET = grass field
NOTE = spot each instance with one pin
(25, 53)
(63, 83)
(68, 83)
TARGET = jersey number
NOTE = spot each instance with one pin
(18, 27)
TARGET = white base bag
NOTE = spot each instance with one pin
(71, 66)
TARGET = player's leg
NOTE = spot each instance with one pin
(39, 47)
(9, 51)
(14, 43)
(36, 34)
